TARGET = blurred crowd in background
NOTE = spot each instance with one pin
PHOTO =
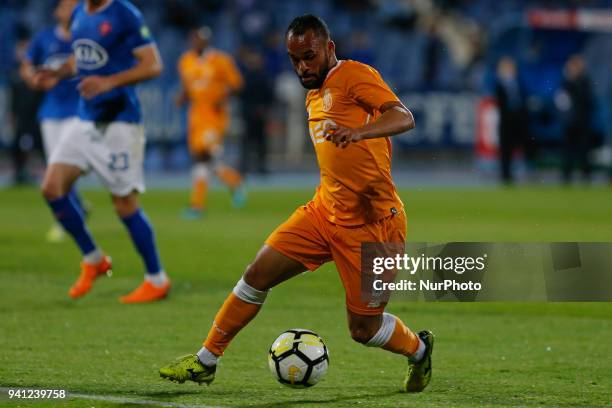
(494, 81)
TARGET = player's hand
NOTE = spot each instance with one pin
(341, 136)
(44, 79)
(94, 85)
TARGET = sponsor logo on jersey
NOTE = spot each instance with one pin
(89, 54)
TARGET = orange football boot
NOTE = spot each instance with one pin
(146, 292)
(89, 273)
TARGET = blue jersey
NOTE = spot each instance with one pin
(103, 43)
(49, 49)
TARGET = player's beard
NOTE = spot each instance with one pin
(320, 76)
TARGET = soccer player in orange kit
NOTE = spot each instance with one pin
(208, 77)
(351, 115)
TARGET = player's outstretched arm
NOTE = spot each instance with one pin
(395, 119)
(148, 66)
(28, 73)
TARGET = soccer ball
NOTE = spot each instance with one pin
(298, 358)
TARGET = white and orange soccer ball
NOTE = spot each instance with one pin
(298, 358)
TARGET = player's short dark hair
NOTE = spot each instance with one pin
(301, 24)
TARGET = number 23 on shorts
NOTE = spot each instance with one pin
(119, 161)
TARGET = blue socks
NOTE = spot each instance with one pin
(68, 213)
(76, 199)
(143, 237)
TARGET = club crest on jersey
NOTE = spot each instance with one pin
(327, 100)
(89, 54)
(105, 28)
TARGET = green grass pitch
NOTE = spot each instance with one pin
(489, 354)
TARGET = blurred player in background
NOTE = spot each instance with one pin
(209, 77)
(351, 115)
(24, 102)
(513, 118)
(50, 48)
(113, 50)
(576, 102)
(257, 99)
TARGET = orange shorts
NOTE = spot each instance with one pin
(206, 133)
(309, 238)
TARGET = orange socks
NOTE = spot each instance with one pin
(237, 311)
(403, 340)
(233, 316)
(229, 176)
(199, 193)
(199, 188)
(395, 337)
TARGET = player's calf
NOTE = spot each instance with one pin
(363, 328)
(361, 335)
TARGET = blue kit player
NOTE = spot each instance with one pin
(112, 50)
(50, 48)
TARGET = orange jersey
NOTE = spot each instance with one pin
(356, 185)
(208, 79)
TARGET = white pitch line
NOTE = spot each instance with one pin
(122, 400)
(111, 398)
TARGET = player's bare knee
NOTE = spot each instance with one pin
(126, 205)
(51, 189)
